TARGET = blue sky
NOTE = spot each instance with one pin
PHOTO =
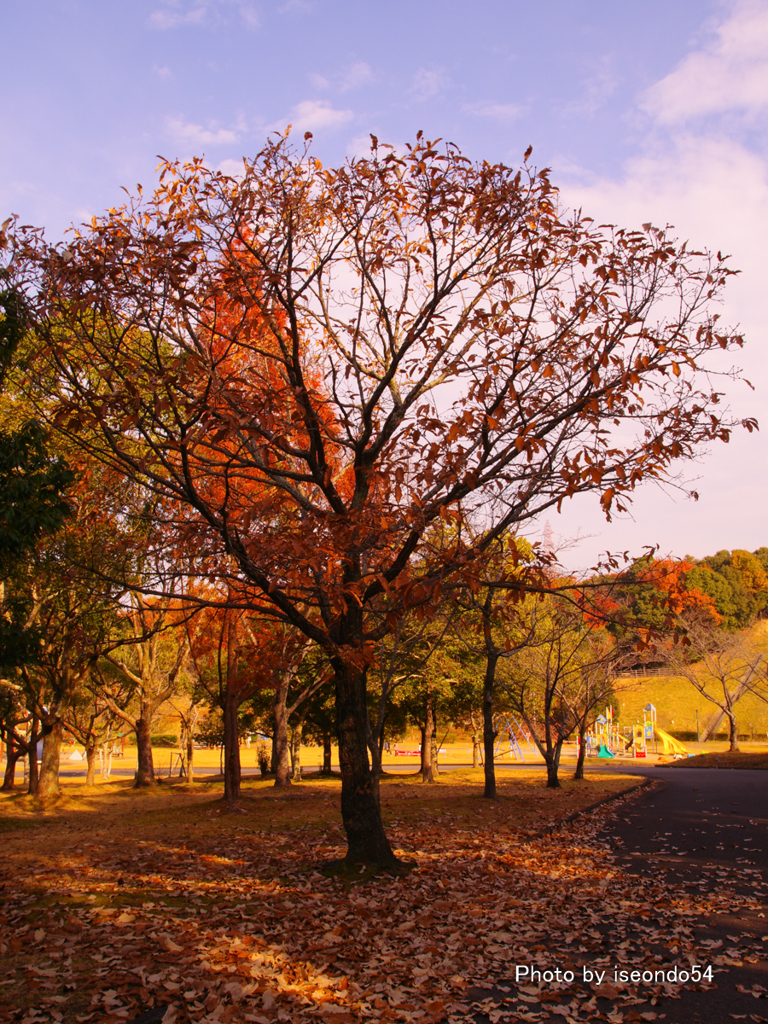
(652, 111)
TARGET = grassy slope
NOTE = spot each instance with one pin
(677, 701)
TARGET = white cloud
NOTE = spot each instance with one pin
(353, 77)
(232, 168)
(598, 87)
(359, 147)
(495, 111)
(359, 74)
(197, 135)
(162, 72)
(427, 84)
(714, 191)
(729, 73)
(311, 115)
(249, 16)
(175, 13)
(700, 176)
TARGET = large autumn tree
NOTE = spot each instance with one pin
(416, 334)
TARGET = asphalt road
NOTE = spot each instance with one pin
(695, 827)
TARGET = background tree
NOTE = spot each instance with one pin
(13, 717)
(33, 480)
(737, 583)
(142, 672)
(58, 599)
(497, 623)
(321, 363)
(722, 666)
(405, 677)
(556, 682)
(89, 720)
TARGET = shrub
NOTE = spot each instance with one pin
(262, 758)
(158, 739)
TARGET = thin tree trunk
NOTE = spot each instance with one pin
(282, 765)
(34, 738)
(145, 770)
(476, 748)
(553, 766)
(190, 756)
(296, 750)
(427, 739)
(733, 730)
(489, 733)
(90, 760)
(579, 773)
(12, 754)
(232, 773)
(327, 753)
(48, 782)
(366, 840)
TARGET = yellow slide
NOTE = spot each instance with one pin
(669, 745)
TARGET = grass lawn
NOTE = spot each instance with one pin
(115, 900)
(726, 759)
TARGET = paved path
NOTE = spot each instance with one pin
(695, 827)
(696, 824)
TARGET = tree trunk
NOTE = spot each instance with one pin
(190, 756)
(145, 770)
(90, 760)
(553, 764)
(367, 842)
(489, 733)
(282, 767)
(12, 754)
(296, 750)
(327, 753)
(476, 748)
(34, 738)
(232, 773)
(427, 739)
(48, 783)
(733, 730)
(579, 773)
(230, 707)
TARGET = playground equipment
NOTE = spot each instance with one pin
(512, 730)
(649, 731)
(604, 739)
(649, 724)
(639, 745)
(669, 745)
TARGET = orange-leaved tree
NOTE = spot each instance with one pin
(320, 363)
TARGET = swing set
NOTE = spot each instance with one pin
(512, 731)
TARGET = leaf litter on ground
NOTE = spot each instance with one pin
(148, 900)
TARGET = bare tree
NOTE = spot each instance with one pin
(722, 666)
